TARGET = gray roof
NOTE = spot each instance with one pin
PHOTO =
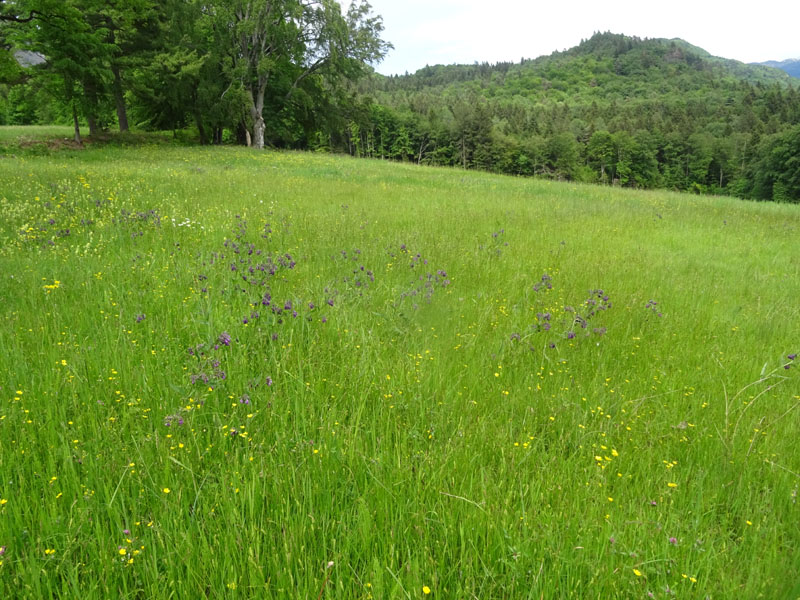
(26, 58)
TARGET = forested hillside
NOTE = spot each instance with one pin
(294, 74)
(615, 109)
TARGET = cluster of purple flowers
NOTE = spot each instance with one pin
(575, 318)
(209, 366)
(651, 305)
(497, 244)
(426, 285)
(545, 283)
(171, 420)
(138, 217)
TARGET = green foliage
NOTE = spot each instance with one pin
(265, 65)
(640, 113)
(285, 73)
(777, 174)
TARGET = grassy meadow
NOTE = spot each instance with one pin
(239, 374)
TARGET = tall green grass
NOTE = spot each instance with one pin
(420, 430)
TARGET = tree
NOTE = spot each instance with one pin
(12, 12)
(131, 31)
(777, 176)
(74, 52)
(601, 154)
(563, 155)
(270, 40)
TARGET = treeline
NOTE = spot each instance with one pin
(566, 142)
(293, 73)
(614, 110)
(265, 71)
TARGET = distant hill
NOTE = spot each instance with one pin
(616, 60)
(791, 66)
(614, 109)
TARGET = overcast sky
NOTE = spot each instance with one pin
(464, 31)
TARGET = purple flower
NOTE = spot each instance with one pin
(2, 550)
(330, 301)
(673, 541)
(245, 399)
(225, 338)
(311, 305)
(126, 531)
(269, 380)
(140, 318)
(570, 335)
(792, 356)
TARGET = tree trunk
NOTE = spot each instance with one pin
(90, 105)
(201, 131)
(241, 133)
(119, 99)
(256, 112)
(76, 124)
(258, 132)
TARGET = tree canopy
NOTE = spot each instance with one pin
(218, 63)
(619, 110)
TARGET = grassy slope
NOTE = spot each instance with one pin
(408, 435)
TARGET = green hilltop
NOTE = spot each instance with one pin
(614, 109)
